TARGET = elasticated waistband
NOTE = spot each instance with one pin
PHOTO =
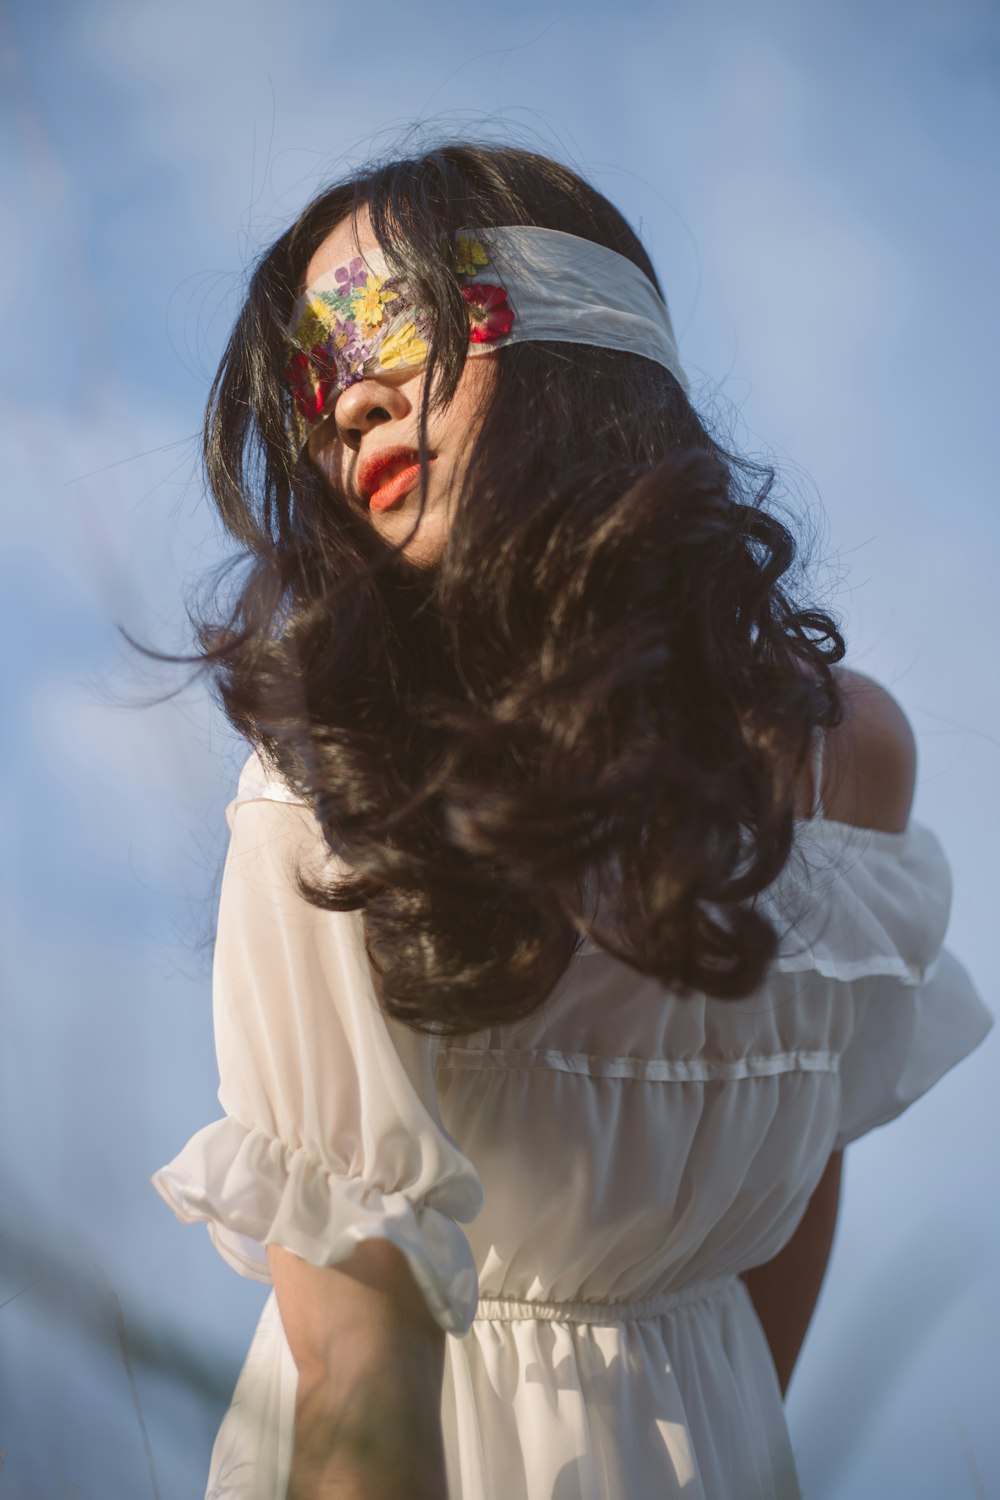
(508, 1309)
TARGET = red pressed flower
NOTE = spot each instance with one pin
(489, 316)
(311, 378)
(324, 368)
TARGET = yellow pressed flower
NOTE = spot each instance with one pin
(368, 307)
(370, 300)
(402, 348)
(469, 253)
(314, 325)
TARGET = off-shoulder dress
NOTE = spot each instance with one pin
(576, 1194)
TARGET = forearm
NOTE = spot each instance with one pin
(372, 1438)
(784, 1290)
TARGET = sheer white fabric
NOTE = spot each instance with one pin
(575, 1194)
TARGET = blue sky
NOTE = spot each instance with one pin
(818, 189)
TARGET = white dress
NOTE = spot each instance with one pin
(577, 1193)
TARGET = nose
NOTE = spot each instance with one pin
(366, 404)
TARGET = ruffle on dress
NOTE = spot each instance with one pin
(875, 909)
(862, 915)
(253, 1191)
(872, 902)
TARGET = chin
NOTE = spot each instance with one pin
(423, 558)
(425, 547)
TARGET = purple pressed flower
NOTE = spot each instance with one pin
(423, 321)
(345, 333)
(351, 363)
(349, 277)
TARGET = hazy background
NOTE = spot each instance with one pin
(818, 187)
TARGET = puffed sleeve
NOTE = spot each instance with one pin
(331, 1132)
(911, 1009)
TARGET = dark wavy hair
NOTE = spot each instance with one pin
(603, 690)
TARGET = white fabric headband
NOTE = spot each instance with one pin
(521, 282)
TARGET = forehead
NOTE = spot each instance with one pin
(341, 245)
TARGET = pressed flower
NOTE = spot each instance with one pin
(336, 305)
(404, 347)
(490, 316)
(328, 375)
(369, 304)
(351, 363)
(314, 325)
(349, 277)
(344, 332)
(469, 253)
(303, 382)
(312, 377)
(424, 322)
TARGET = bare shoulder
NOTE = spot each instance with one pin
(870, 760)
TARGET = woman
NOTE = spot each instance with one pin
(544, 911)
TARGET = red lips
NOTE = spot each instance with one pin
(379, 467)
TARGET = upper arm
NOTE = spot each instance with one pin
(870, 767)
(352, 1314)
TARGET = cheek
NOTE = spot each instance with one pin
(472, 395)
(326, 458)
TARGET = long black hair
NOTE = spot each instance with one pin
(604, 684)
